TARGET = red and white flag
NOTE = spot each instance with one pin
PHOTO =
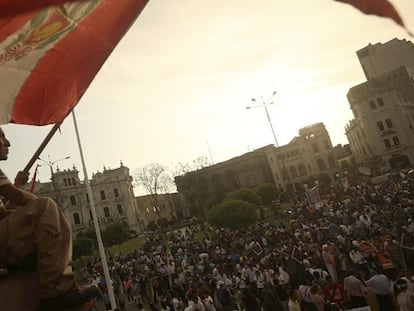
(382, 8)
(11, 8)
(51, 50)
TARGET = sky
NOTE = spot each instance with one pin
(177, 86)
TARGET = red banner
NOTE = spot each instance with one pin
(58, 50)
(381, 8)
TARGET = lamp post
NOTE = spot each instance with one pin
(264, 103)
(52, 174)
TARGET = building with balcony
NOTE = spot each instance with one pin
(112, 192)
(381, 135)
(306, 157)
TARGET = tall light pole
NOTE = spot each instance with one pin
(52, 174)
(264, 103)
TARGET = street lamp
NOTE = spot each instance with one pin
(52, 174)
(264, 103)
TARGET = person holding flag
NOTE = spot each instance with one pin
(29, 224)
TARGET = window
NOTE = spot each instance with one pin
(76, 219)
(315, 147)
(372, 104)
(331, 162)
(395, 140)
(302, 169)
(69, 182)
(380, 125)
(380, 102)
(116, 193)
(87, 198)
(119, 208)
(251, 181)
(73, 181)
(106, 211)
(65, 181)
(389, 123)
(103, 196)
(293, 171)
(72, 200)
(321, 164)
(387, 143)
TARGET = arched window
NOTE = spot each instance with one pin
(321, 165)
(302, 170)
(231, 179)
(372, 104)
(76, 219)
(380, 102)
(116, 193)
(285, 174)
(331, 162)
(72, 200)
(106, 211)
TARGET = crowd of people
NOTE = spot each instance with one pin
(325, 256)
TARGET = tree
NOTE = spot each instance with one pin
(244, 194)
(195, 189)
(115, 234)
(155, 179)
(267, 193)
(83, 246)
(152, 226)
(193, 186)
(90, 234)
(197, 164)
(232, 214)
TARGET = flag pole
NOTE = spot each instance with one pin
(95, 221)
(41, 148)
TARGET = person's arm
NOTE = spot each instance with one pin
(14, 194)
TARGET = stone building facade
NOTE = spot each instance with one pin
(209, 185)
(381, 135)
(167, 209)
(113, 196)
(306, 157)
